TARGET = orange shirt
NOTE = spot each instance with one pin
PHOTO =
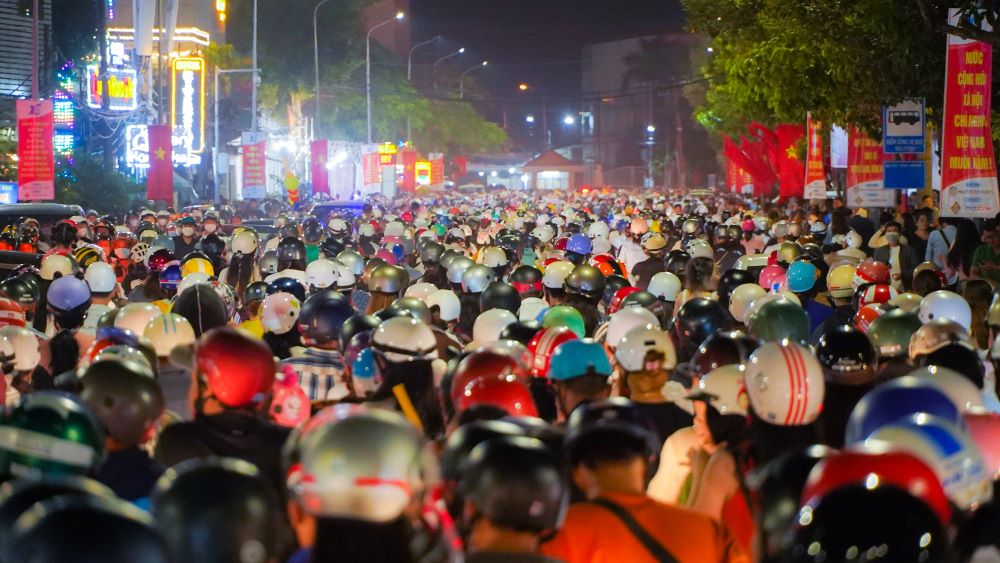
(593, 534)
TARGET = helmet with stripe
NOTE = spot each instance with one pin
(785, 384)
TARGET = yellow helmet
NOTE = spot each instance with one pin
(654, 226)
(197, 265)
(839, 279)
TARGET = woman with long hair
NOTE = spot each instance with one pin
(698, 281)
(959, 260)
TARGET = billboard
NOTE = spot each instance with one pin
(122, 86)
(187, 104)
(137, 148)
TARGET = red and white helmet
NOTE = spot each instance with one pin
(943, 304)
(11, 313)
(280, 312)
(544, 344)
(878, 293)
(634, 348)
(867, 315)
(785, 384)
(870, 271)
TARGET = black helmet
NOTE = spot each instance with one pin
(291, 248)
(521, 331)
(287, 285)
(696, 320)
(21, 290)
(677, 262)
(640, 298)
(853, 520)
(847, 356)
(585, 280)
(217, 509)
(356, 325)
(388, 279)
(19, 495)
(64, 232)
(729, 281)
(312, 233)
(722, 348)
(612, 284)
(332, 247)
(322, 316)
(468, 436)
(517, 482)
(956, 357)
(72, 436)
(500, 295)
(512, 242)
(526, 278)
(431, 251)
(202, 306)
(256, 291)
(609, 421)
(778, 487)
(125, 397)
(86, 529)
(413, 307)
(213, 246)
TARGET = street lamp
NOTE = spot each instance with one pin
(651, 129)
(529, 119)
(441, 60)
(368, 68)
(569, 120)
(316, 53)
(461, 78)
(409, 57)
(524, 87)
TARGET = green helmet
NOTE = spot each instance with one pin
(779, 319)
(890, 333)
(49, 433)
(564, 315)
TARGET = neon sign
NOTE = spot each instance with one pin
(422, 169)
(187, 105)
(121, 85)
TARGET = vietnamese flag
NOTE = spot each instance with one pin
(791, 170)
(160, 182)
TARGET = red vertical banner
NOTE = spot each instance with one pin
(160, 182)
(968, 169)
(815, 180)
(36, 168)
(319, 151)
(371, 170)
(408, 158)
(732, 175)
(865, 172)
(437, 171)
(791, 171)
(459, 165)
(254, 165)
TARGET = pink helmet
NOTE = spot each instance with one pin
(772, 275)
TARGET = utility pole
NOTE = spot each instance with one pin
(253, 79)
(102, 42)
(215, 150)
(34, 49)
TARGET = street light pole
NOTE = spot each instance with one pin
(316, 53)
(545, 114)
(368, 69)
(409, 78)
(461, 78)
(215, 149)
(253, 79)
(441, 60)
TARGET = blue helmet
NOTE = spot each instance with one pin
(801, 276)
(579, 243)
(68, 295)
(576, 358)
(895, 400)
(171, 276)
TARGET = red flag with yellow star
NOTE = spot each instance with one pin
(160, 182)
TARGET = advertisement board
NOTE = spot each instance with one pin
(122, 85)
(187, 104)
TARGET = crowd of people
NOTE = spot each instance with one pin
(606, 376)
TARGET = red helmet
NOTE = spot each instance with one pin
(11, 313)
(561, 243)
(984, 429)
(508, 393)
(620, 295)
(237, 369)
(872, 468)
(484, 363)
(158, 260)
(878, 293)
(867, 315)
(871, 271)
(543, 344)
(608, 265)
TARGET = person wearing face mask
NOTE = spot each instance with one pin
(162, 218)
(210, 225)
(901, 258)
(185, 242)
(147, 216)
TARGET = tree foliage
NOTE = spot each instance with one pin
(88, 183)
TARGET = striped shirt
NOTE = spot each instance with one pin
(321, 374)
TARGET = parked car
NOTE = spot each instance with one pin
(48, 214)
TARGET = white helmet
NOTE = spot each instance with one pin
(135, 317)
(420, 290)
(191, 279)
(625, 320)
(531, 307)
(853, 240)
(457, 268)
(245, 242)
(280, 312)
(354, 261)
(947, 449)
(168, 331)
(25, 345)
(943, 304)
(321, 274)
(100, 276)
(394, 229)
(909, 302)
(493, 257)
(556, 273)
(447, 303)
(722, 388)
(541, 219)
(699, 248)
(785, 384)
(345, 277)
(637, 343)
(665, 286)
(741, 300)
(489, 325)
(600, 246)
(139, 252)
(966, 396)
(56, 264)
(598, 229)
(338, 227)
(544, 233)
(404, 339)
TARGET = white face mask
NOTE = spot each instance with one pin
(210, 228)
(133, 223)
(187, 231)
(161, 222)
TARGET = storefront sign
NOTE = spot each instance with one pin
(187, 106)
(122, 85)
(35, 154)
(815, 183)
(137, 148)
(254, 165)
(864, 172)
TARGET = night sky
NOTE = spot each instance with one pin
(537, 41)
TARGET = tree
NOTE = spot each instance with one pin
(88, 183)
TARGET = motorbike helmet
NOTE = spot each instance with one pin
(354, 325)
(168, 331)
(236, 369)
(409, 306)
(666, 286)
(463, 439)
(785, 384)
(544, 344)
(287, 285)
(728, 283)
(943, 304)
(586, 281)
(291, 249)
(268, 263)
(644, 345)
(499, 295)
(722, 348)
(476, 277)
(847, 356)
(741, 300)
(780, 319)
(125, 398)
(73, 436)
(895, 400)
(891, 332)
(614, 420)
(526, 278)
(696, 320)
(354, 261)
(404, 339)
(68, 296)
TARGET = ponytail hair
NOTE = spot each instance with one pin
(65, 351)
